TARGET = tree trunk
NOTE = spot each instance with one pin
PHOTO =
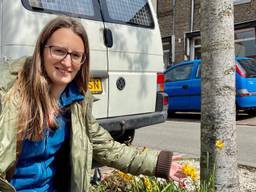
(218, 96)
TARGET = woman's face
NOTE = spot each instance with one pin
(63, 54)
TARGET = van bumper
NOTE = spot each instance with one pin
(120, 124)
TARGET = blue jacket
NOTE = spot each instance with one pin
(36, 167)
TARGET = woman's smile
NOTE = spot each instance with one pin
(63, 71)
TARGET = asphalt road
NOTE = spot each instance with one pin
(181, 134)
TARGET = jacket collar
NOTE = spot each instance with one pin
(70, 95)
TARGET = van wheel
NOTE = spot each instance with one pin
(127, 137)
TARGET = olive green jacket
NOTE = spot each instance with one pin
(88, 140)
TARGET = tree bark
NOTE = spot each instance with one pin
(218, 95)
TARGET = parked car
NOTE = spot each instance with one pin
(183, 85)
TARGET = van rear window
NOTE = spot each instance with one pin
(134, 12)
(249, 65)
(73, 8)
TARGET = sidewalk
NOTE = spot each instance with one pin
(249, 122)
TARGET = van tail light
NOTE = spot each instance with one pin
(161, 101)
(160, 82)
(165, 101)
(161, 97)
(240, 70)
(243, 92)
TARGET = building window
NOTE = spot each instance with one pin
(245, 42)
(197, 48)
(167, 46)
(166, 50)
(169, 50)
(236, 2)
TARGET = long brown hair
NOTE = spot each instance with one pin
(33, 84)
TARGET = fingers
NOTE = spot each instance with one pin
(178, 177)
(176, 172)
(176, 157)
(179, 167)
(174, 178)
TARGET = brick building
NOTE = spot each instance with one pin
(179, 22)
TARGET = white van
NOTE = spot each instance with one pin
(126, 54)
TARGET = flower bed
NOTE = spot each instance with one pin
(118, 181)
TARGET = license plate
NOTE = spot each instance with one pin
(95, 86)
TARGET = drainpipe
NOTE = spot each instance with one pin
(192, 15)
(173, 16)
(188, 44)
(173, 31)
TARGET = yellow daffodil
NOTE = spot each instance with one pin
(147, 184)
(125, 176)
(193, 173)
(120, 173)
(219, 144)
(190, 171)
(128, 177)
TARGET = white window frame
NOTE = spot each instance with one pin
(193, 47)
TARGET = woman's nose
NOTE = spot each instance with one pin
(67, 61)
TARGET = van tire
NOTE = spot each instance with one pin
(171, 113)
(126, 138)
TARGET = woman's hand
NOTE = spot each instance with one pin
(176, 173)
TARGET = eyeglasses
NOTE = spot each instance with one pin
(61, 53)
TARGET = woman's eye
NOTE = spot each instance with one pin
(76, 55)
(60, 51)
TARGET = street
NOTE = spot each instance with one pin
(181, 133)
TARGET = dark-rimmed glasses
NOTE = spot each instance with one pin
(61, 53)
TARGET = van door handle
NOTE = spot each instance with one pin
(108, 37)
(184, 86)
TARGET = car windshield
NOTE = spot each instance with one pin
(249, 65)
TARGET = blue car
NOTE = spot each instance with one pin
(183, 85)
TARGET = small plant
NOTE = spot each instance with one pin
(119, 181)
(123, 182)
(208, 185)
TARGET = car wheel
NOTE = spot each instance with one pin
(251, 112)
(171, 113)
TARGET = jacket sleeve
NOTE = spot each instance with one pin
(7, 143)
(111, 153)
(8, 73)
